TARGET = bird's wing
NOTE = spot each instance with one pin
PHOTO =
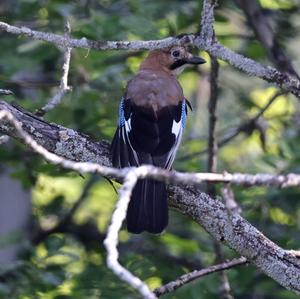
(148, 136)
(123, 154)
(178, 116)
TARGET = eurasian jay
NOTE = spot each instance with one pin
(152, 116)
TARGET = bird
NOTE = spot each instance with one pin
(152, 117)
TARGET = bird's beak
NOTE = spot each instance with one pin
(195, 60)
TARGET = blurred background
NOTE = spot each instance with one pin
(53, 221)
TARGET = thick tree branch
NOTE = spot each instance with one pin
(76, 146)
(130, 176)
(233, 230)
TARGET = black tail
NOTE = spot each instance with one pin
(148, 209)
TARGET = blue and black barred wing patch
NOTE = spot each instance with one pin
(123, 154)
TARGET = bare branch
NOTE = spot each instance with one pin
(63, 88)
(212, 106)
(75, 146)
(85, 43)
(189, 277)
(253, 68)
(244, 64)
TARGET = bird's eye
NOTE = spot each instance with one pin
(176, 53)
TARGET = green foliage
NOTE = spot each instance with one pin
(67, 265)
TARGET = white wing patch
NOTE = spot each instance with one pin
(126, 128)
(176, 127)
(177, 131)
(128, 125)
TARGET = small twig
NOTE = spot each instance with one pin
(230, 203)
(212, 106)
(268, 105)
(186, 278)
(64, 87)
(111, 183)
(224, 287)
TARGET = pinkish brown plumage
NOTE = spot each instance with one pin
(151, 121)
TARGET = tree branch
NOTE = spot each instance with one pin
(224, 289)
(207, 41)
(263, 31)
(130, 175)
(61, 146)
(212, 121)
(235, 231)
(64, 87)
(247, 127)
(189, 277)
(202, 41)
(85, 43)
(76, 146)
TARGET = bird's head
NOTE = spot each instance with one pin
(172, 60)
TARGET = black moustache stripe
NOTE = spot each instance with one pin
(177, 64)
